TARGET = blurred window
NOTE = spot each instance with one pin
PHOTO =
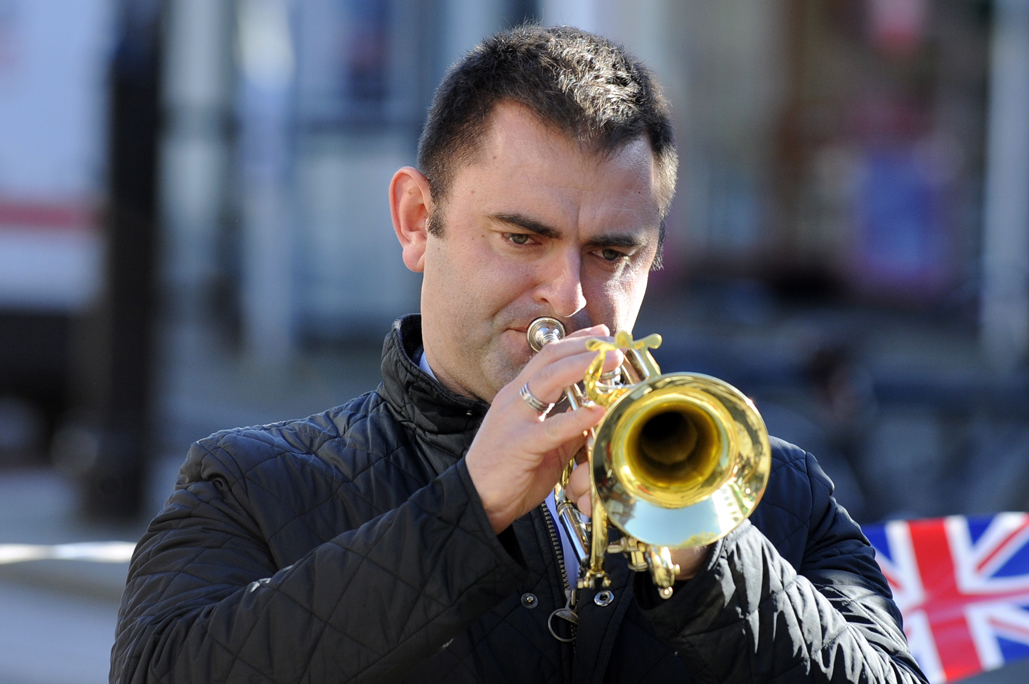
(53, 57)
(352, 68)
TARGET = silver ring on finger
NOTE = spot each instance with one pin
(533, 403)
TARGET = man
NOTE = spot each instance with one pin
(403, 536)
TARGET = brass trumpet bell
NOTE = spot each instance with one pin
(678, 461)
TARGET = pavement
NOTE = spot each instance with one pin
(38, 509)
(49, 637)
(57, 614)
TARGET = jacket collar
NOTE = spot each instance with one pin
(442, 417)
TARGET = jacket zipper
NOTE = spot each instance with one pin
(555, 542)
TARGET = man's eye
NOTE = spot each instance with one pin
(611, 254)
(518, 238)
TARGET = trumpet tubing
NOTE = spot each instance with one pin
(678, 461)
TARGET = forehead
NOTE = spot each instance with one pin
(514, 131)
(523, 161)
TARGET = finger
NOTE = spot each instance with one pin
(557, 459)
(580, 489)
(574, 344)
(612, 359)
(549, 382)
(559, 349)
(531, 402)
(563, 428)
(579, 482)
(585, 504)
(600, 330)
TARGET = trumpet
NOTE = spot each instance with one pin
(678, 461)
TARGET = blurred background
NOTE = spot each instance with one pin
(195, 235)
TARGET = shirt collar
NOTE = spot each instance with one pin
(423, 363)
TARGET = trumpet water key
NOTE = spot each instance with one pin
(678, 461)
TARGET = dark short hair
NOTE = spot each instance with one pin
(589, 88)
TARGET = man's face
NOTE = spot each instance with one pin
(535, 226)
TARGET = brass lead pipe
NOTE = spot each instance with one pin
(543, 331)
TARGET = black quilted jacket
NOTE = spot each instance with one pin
(351, 546)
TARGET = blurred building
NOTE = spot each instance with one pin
(852, 215)
(53, 98)
(286, 121)
(828, 147)
(834, 155)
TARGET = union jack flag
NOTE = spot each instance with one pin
(962, 585)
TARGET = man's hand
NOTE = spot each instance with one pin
(690, 561)
(517, 456)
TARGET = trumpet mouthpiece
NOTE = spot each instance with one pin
(543, 330)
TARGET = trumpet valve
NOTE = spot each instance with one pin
(662, 569)
(637, 560)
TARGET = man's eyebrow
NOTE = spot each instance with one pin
(626, 241)
(528, 224)
(618, 240)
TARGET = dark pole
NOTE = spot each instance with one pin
(116, 380)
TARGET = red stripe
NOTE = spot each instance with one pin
(1003, 545)
(944, 604)
(890, 577)
(38, 215)
(1010, 628)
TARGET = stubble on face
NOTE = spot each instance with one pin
(484, 337)
(479, 295)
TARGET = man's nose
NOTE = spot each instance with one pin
(561, 286)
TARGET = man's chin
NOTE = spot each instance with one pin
(504, 366)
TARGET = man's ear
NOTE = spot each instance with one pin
(410, 202)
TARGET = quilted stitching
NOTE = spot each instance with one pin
(302, 531)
